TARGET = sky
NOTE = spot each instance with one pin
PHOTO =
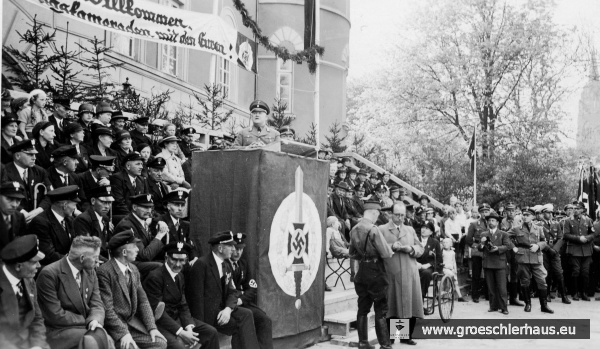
(373, 21)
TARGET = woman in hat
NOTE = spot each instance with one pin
(18, 106)
(35, 112)
(173, 172)
(75, 135)
(86, 115)
(122, 145)
(146, 153)
(170, 130)
(43, 133)
(102, 139)
(340, 176)
(10, 126)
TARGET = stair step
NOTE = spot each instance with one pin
(340, 323)
(352, 339)
(336, 302)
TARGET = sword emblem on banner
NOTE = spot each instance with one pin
(297, 259)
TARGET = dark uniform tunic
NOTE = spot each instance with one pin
(252, 134)
(552, 262)
(578, 252)
(472, 240)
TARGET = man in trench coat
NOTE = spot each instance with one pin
(404, 292)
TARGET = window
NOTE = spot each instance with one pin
(224, 77)
(169, 59)
(285, 74)
(126, 46)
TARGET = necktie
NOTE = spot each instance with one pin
(8, 223)
(20, 289)
(177, 227)
(235, 266)
(64, 225)
(133, 183)
(25, 176)
(65, 179)
(78, 279)
(128, 277)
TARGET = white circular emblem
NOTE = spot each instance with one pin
(246, 56)
(295, 246)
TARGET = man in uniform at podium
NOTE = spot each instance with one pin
(259, 134)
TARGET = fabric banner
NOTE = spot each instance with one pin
(247, 50)
(150, 21)
(279, 201)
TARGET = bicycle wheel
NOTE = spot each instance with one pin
(430, 300)
(446, 298)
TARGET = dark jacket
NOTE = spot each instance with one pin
(87, 224)
(245, 282)
(339, 207)
(207, 293)
(181, 235)
(497, 259)
(523, 238)
(32, 331)
(18, 228)
(474, 236)
(60, 135)
(44, 154)
(432, 254)
(54, 241)
(150, 248)
(123, 189)
(35, 175)
(575, 228)
(138, 138)
(154, 189)
(160, 287)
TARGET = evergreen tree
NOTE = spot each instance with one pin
(279, 118)
(32, 64)
(211, 115)
(64, 74)
(335, 139)
(311, 135)
(97, 69)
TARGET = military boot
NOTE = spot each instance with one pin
(526, 298)
(383, 333)
(563, 291)
(543, 302)
(574, 284)
(513, 289)
(362, 327)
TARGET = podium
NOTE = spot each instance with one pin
(279, 201)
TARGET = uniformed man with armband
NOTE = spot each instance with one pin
(552, 262)
(371, 282)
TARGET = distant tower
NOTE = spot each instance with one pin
(588, 122)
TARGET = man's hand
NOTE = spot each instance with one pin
(93, 325)
(193, 261)
(104, 182)
(239, 302)
(483, 239)
(494, 249)
(582, 239)
(534, 248)
(224, 316)
(154, 334)
(111, 226)
(397, 246)
(127, 342)
(596, 248)
(174, 186)
(188, 336)
(425, 266)
(515, 249)
(162, 230)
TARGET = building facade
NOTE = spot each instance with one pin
(152, 67)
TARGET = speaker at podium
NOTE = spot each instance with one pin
(279, 200)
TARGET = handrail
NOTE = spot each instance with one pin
(397, 180)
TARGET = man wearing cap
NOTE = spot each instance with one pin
(117, 121)
(212, 296)
(245, 282)
(529, 241)
(9, 137)
(13, 221)
(185, 144)
(129, 319)
(21, 321)
(62, 172)
(59, 118)
(149, 234)
(363, 179)
(69, 296)
(259, 134)
(173, 172)
(140, 134)
(288, 133)
(24, 170)
(104, 113)
(338, 199)
(179, 230)
(167, 285)
(368, 245)
(128, 183)
(513, 285)
(95, 220)
(579, 234)
(54, 227)
(473, 240)
(494, 245)
(101, 167)
(156, 187)
(552, 262)
(75, 136)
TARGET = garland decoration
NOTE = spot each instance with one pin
(308, 55)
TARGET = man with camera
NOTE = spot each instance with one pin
(494, 245)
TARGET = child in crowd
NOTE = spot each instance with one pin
(336, 244)
(450, 269)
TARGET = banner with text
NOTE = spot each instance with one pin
(150, 21)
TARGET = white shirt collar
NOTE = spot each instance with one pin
(219, 264)
(424, 241)
(139, 219)
(60, 172)
(493, 231)
(11, 278)
(122, 266)
(58, 217)
(20, 169)
(99, 220)
(173, 275)
(175, 220)
(131, 179)
(74, 270)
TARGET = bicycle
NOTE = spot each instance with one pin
(443, 293)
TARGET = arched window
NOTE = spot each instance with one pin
(227, 70)
(289, 38)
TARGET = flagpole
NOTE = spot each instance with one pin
(475, 168)
(317, 72)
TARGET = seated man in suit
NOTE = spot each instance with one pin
(54, 227)
(431, 258)
(24, 170)
(69, 296)
(128, 315)
(179, 230)
(149, 243)
(212, 295)
(62, 172)
(21, 321)
(156, 187)
(95, 221)
(101, 167)
(166, 284)
(13, 221)
(245, 282)
(128, 183)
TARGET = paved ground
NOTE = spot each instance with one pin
(576, 310)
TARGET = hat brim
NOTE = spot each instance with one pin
(14, 195)
(176, 201)
(38, 257)
(145, 205)
(30, 151)
(106, 198)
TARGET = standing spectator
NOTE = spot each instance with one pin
(473, 240)
(59, 118)
(450, 269)
(21, 321)
(494, 244)
(452, 227)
